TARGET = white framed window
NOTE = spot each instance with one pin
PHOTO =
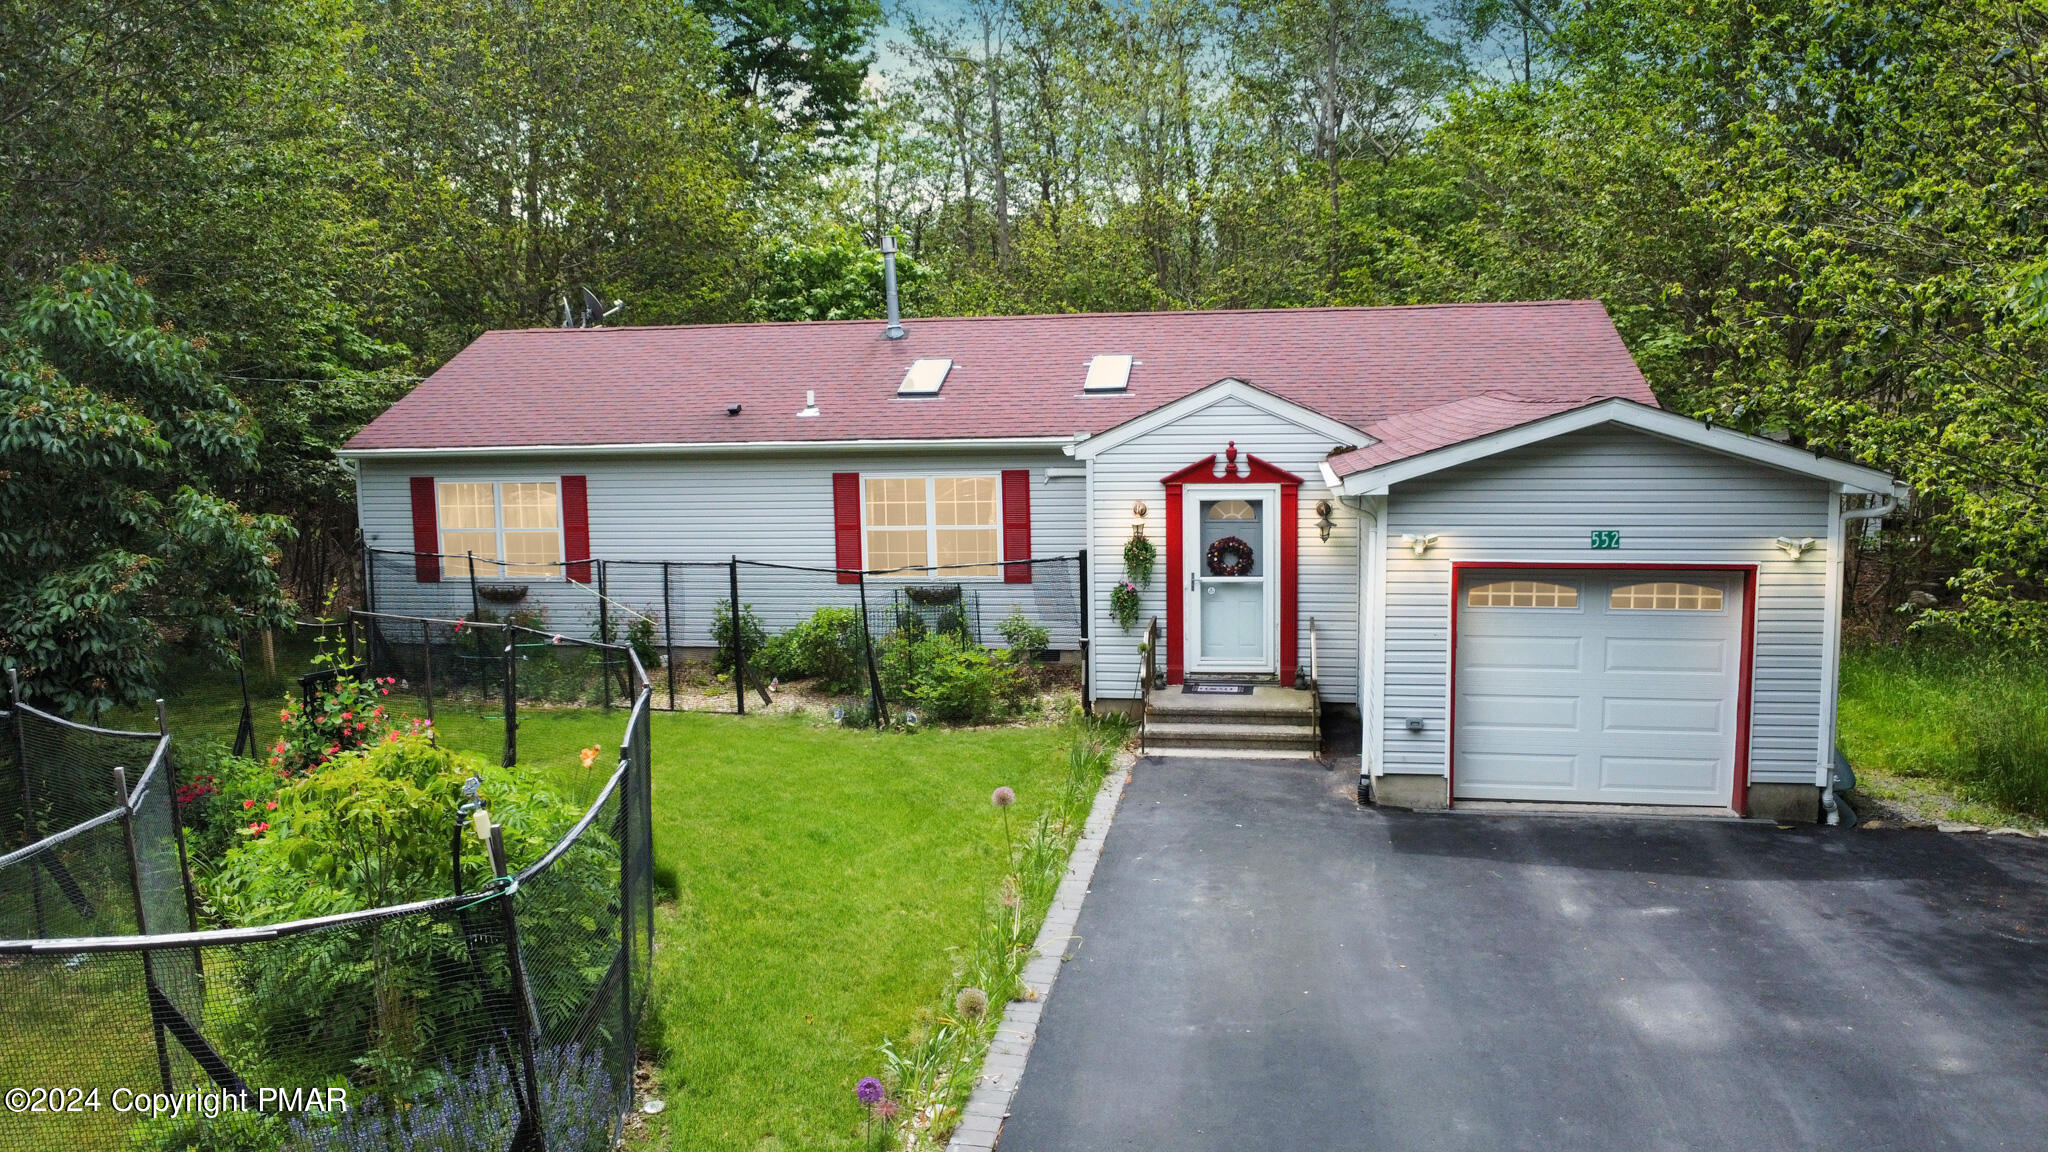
(920, 521)
(514, 528)
(1666, 596)
(1522, 594)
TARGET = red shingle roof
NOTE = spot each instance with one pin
(1013, 376)
(1452, 422)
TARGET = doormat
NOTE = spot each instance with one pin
(1211, 689)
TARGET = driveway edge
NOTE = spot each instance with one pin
(981, 1121)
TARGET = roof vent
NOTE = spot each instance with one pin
(1108, 374)
(810, 407)
(924, 378)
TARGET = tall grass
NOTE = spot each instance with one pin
(931, 1070)
(1971, 716)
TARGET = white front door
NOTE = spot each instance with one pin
(1231, 582)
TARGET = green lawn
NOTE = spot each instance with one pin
(814, 883)
(1971, 720)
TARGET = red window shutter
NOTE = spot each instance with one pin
(576, 527)
(846, 525)
(1017, 524)
(426, 532)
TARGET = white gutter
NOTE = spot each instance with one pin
(693, 448)
(1838, 541)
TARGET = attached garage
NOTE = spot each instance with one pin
(1605, 686)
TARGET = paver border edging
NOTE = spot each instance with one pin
(981, 1121)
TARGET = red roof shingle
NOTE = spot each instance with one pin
(1013, 376)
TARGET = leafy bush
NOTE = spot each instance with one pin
(479, 1112)
(231, 1131)
(828, 648)
(374, 829)
(1024, 637)
(644, 641)
(221, 795)
(751, 634)
(949, 679)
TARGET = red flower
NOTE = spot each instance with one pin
(248, 803)
(270, 805)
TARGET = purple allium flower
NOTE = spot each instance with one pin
(1003, 797)
(869, 1090)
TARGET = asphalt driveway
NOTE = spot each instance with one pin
(1261, 964)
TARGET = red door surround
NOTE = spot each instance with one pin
(1236, 469)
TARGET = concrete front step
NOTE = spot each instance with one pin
(1164, 732)
(1267, 704)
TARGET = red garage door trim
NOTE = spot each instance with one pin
(1739, 802)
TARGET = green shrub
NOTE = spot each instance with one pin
(827, 648)
(751, 634)
(380, 1000)
(645, 643)
(220, 794)
(952, 680)
(347, 714)
(231, 1131)
(1024, 637)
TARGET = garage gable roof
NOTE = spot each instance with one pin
(1338, 432)
(1458, 433)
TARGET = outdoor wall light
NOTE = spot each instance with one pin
(1415, 724)
(1323, 521)
(1420, 544)
(1795, 548)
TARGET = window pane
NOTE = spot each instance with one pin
(896, 548)
(529, 505)
(484, 544)
(966, 501)
(1667, 596)
(896, 502)
(976, 546)
(468, 507)
(1522, 594)
(1233, 510)
(533, 555)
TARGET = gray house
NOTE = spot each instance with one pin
(1471, 525)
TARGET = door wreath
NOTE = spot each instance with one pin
(1230, 556)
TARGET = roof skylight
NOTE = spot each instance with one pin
(924, 378)
(1108, 374)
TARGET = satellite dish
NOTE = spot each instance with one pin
(591, 306)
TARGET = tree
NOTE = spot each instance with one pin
(838, 278)
(114, 539)
(799, 62)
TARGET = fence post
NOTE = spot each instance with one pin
(604, 632)
(369, 578)
(1087, 657)
(29, 828)
(163, 729)
(529, 1029)
(163, 1053)
(245, 730)
(427, 667)
(879, 708)
(739, 639)
(668, 638)
(629, 796)
(511, 694)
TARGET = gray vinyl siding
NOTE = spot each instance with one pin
(769, 507)
(1132, 472)
(1672, 504)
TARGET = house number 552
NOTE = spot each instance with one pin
(1606, 538)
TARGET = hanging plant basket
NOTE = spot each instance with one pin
(502, 593)
(1124, 605)
(1139, 556)
(930, 594)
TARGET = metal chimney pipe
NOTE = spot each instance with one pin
(895, 329)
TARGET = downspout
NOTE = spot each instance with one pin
(1839, 773)
(1368, 528)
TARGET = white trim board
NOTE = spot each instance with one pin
(708, 447)
(1628, 414)
(1224, 389)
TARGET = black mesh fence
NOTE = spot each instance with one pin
(502, 1017)
(677, 615)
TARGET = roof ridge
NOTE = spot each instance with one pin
(1171, 313)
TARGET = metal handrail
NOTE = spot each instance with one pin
(1315, 693)
(1148, 668)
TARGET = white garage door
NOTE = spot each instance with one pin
(1602, 687)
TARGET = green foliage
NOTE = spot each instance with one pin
(1971, 715)
(347, 714)
(751, 635)
(1024, 637)
(799, 62)
(1125, 604)
(1140, 554)
(839, 278)
(231, 1131)
(114, 539)
(645, 640)
(220, 795)
(829, 648)
(949, 679)
(374, 829)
